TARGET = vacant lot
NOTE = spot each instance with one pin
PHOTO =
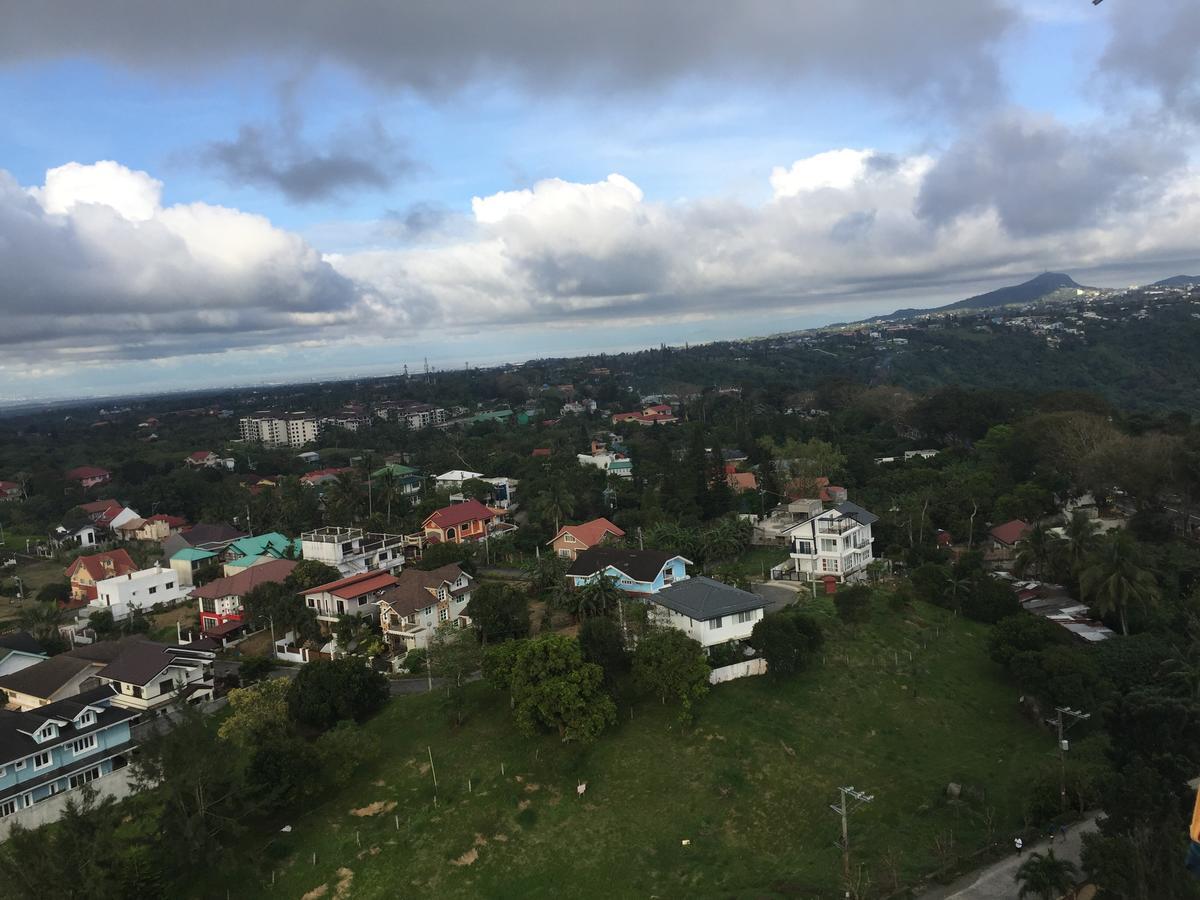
(747, 787)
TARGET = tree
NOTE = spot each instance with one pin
(1114, 579)
(672, 665)
(255, 668)
(328, 691)
(1046, 876)
(786, 640)
(853, 603)
(1079, 536)
(454, 654)
(278, 605)
(1037, 551)
(41, 620)
(101, 621)
(462, 555)
(601, 643)
(256, 713)
(499, 612)
(554, 503)
(1021, 633)
(598, 597)
(308, 574)
(57, 592)
(553, 688)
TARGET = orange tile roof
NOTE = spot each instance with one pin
(590, 533)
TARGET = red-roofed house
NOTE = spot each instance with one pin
(202, 459)
(85, 571)
(541, 451)
(741, 481)
(356, 596)
(322, 476)
(10, 490)
(659, 414)
(572, 539)
(1005, 538)
(458, 522)
(108, 513)
(221, 599)
(802, 489)
(89, 476)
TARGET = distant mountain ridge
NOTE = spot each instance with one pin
(1027, 292)
(1177, 281)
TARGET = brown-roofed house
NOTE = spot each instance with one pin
(85, 571)
(571, 540)
(48, 681)
(458, 522)
(353, 596)
(221, 599)
(88, 476)
(1005, 538)
(422, 601)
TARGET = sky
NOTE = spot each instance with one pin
(231, 193)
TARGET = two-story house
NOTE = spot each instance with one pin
(571, 540)
(420, 602)
(204, 536)
(354, 596)
(220, 601)
(352, 551)
(88, 476)
(257, 549)
(832, 545)
(634, 571)
(192, 565)
(149, 676)
(458, 523)
(56, 749)
(708, 611)
(137, 590)
(85, 572)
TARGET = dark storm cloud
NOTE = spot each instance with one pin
(1154, 46)
(941, 48)
(1041, 176)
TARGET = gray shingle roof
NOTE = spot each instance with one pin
(640, 565)
(703, 598)
(44, 678)
(857, 513)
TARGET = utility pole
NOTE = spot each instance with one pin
(1062, 727)
(843, 808)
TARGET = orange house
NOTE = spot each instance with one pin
(85, 571)
(458, 523)
(572, 539)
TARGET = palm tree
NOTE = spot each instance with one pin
(599, 597)
(343, 500)
(1080, 540)
(1036, 550)
(1046, 876)
(41, 620)
(1114, 580)
(556, 502)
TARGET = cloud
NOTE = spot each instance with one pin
(1039, 176)
(1153, 47)
(92, 266)
(940, 48)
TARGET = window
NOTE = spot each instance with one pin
(427, 611)
(19, 765)
(744, 617)
(714, 624)
(85, 719)
(7, 808)
(804, 548)
(83, 778)
(829, 565)
(168, 585)
(153, 590)
(443, 615)
(565, 554)
(828, 545)
(84, 744)
(42, 760)
(312, 603)
(45, 733)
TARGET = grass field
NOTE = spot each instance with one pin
(749, 785)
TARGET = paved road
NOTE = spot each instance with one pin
(998, 881)
(777, 594)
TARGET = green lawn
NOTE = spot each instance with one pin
(749, 785)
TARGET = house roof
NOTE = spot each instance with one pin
(413, 588)
(102, 512)
(94, 565)
(742, 481)
(703, 598)
(6, 486)
(1010, 532)
(204, 533)
(458, 475)
(355, 585)
(79, 473)
(171, 521)
(273, 572)
(458, 513)
(194, 554)
(42, 679)
(857, 513)
(396, 469)
(640, 565)
(141, 661)
(270, 544)
(16, 728)
(22, 642)
(590, 533)
(201, 455)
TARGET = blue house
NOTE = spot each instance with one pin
(61, 747)
(635, 571)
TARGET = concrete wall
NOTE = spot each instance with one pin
(117, 784)
(738, 670)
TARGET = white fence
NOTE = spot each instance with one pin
(738, 670)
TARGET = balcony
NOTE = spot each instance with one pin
(836, 526)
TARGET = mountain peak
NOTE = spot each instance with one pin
(1026, 292)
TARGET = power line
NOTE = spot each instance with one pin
(843, 808)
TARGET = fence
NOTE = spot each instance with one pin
(738, 670)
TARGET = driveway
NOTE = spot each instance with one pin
(999, 880)
(779, 594)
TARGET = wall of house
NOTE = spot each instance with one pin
(117, 784)
(61, 757)
(154, 694)
(707, 632)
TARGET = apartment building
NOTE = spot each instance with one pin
(293, 429)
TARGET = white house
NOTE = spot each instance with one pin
(707, 611)
(138, 590)
(455, 477)
(354, 596)
(611, 463)
(420, 602)
(834, 543)
(351, 550)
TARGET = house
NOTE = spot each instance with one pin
(88, 476)
(455, 478)
(192, 565)
(47, 681)
(1003, 539)
(86, 571)
(10, 490)
(55, 750)
(542, 452)
(656, 414)
(404, 479)
(202, 537)
(160, 527)
(354, 596)
(252, 551)
(149, 676)
(322, 477)
(421, 602)
(142, 589)
(832, 545)
(76, 530)
(220, 601)
(108, 514)
(202, 459)
(740, 482)
(19, 650)
(612, 463)
(571, 539)
(708, 611)
(459, 522)
(352, 550)
(635, 571)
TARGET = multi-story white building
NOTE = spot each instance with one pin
(411, 414)
(833, 543)
(280, 429)
(138, 590)
(352, 551)
(347, 421)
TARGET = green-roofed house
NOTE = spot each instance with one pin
(497, 415)
(259, 548)
(406, 479)
(192, 562)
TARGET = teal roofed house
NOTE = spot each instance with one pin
(496, 415)
(260, 548)
(406, 479)
(192, 562)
